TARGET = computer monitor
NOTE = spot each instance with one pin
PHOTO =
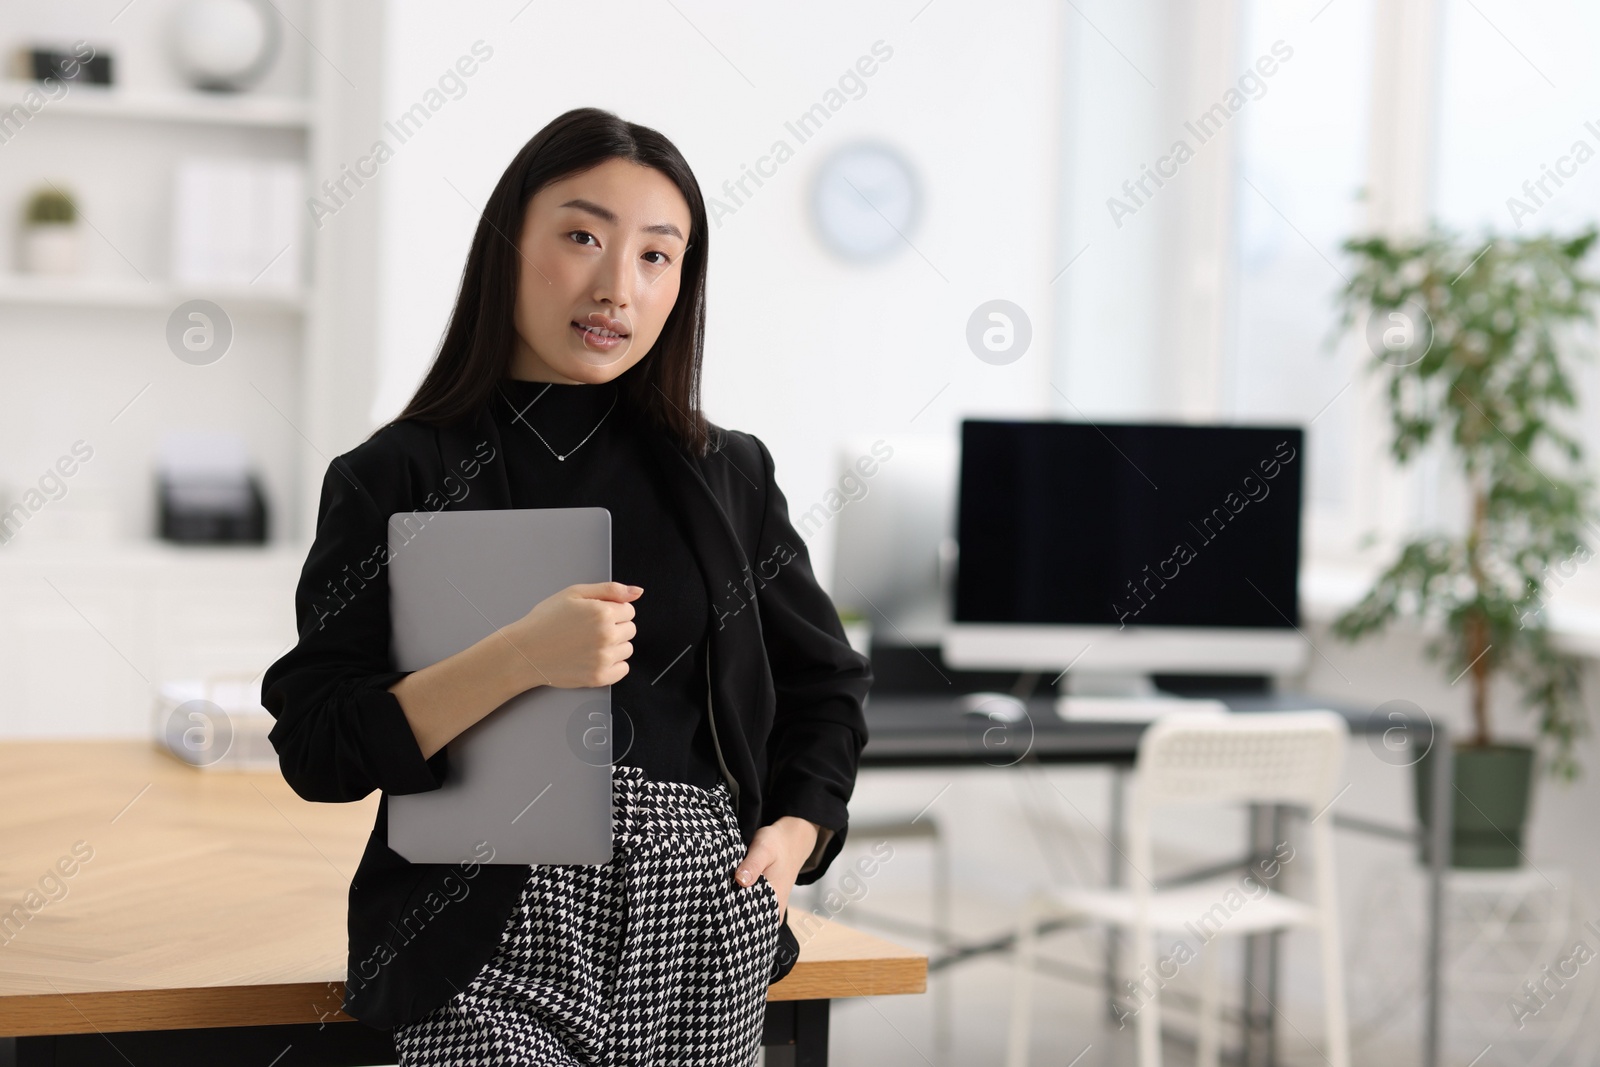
(1128, 549)
(894, 531)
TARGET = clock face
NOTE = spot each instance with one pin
(864, 200)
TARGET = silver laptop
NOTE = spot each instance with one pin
(533, 777)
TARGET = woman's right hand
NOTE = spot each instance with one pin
(580, 637)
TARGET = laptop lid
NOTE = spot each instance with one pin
(533, 777)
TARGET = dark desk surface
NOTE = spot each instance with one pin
(919, 730)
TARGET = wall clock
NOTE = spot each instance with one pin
(865, 198)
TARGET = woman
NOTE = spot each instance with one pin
(569, 376)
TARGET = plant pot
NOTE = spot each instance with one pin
(1493, 785)
(859, 633)
(51, 248)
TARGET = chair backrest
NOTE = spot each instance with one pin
(1286, 757)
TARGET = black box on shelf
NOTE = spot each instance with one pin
(212, 511)
(38, 64)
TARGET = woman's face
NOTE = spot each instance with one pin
(602, 254)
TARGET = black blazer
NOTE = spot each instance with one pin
(787, 689)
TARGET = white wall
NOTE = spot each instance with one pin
(797, 349)
(1117, 63)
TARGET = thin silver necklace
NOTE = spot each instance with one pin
(539, 435)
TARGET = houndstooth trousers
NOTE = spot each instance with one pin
(658, 957)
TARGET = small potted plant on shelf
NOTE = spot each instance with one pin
(50, 233)
(857, 630)
(1469, 336)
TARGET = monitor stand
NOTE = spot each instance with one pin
(1122, 696)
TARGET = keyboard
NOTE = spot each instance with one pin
(1133, 709)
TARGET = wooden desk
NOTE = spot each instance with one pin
(154, 913)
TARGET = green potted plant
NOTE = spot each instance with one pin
(50, 234)
(1468, 335)
(857, 630)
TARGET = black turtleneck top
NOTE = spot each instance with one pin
(658, 709)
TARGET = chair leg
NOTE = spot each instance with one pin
(1022, 985)
(1207, 1050)
(1337, 1024)
(942, 939)
(1150, 1011)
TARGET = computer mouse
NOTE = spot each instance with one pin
(1002, 707)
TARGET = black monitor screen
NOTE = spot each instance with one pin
(1125, 525)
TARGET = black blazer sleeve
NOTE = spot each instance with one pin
(340, 733)
(821, 683)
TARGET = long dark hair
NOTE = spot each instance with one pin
(664, 386)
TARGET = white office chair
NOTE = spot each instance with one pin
(1278, 757)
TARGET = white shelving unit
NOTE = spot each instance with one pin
(94, 623)
(90, 292)
(135, 134)
(111, 102)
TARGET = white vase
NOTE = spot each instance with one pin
(225, 45)
(52, 248)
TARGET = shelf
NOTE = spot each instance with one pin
(90, 291)
(150, 554)
(94, 101)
